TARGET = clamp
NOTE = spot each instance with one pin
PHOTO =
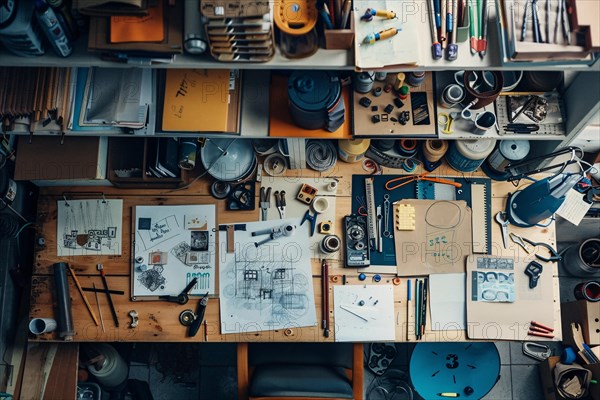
(312, 219)
(554, 256)
(280, 202)
(183, 297)
(265, 202)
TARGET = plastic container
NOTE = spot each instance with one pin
(113, 371)
(468, 155)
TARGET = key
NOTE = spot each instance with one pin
(503, 222)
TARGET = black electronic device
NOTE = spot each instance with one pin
(533, 271)
(381, 356)
(357, 241)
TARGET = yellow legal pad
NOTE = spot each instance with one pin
(196, 100)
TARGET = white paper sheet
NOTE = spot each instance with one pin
(174, 250)
(574, 207)
(447, 301)
(89, 227)
(371, 321)
(269, 286)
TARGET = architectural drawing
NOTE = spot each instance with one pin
(266, 287)
(173, 245)
(86, 227)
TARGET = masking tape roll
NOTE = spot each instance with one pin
(320, 204)
(434, 149)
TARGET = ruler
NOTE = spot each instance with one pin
(371, 212)
(479, 218)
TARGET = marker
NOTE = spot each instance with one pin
(436, 47)
(408, 307)
(385, 34)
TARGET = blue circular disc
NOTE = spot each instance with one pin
(460, 368)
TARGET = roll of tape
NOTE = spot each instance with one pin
(320, 204)
(220, 190)
(139, 260)
(332, 186)
(275, 164)
(330, 244)
(434, 149)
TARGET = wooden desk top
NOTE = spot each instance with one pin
(159, 321)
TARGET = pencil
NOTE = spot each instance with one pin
(417, 309)
(85, 300)
(408, 310)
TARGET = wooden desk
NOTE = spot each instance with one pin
(158, 321)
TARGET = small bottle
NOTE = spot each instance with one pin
(52, 28)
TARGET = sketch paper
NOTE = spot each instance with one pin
(447, 301)
(175, 245)
(89, 227)
(371, 321)
(266, 287)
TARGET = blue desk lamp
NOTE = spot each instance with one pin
(540, 200)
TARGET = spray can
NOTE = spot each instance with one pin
(52, 28)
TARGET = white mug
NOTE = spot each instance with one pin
(37, 326)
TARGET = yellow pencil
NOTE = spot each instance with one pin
(85, 300)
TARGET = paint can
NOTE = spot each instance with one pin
(583, 260)
(468, 155)
(352, 150)
(415, 78)
(311, 94)
(508, 151)
(113, 371)
(363, 81)
(589, 291)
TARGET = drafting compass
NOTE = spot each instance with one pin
(183, 297)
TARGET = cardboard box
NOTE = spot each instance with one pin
(587, 315)
(548, 388)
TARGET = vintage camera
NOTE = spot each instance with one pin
(357, 241)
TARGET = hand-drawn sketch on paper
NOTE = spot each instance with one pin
(173, 245)
(89, 227)
(266, 285)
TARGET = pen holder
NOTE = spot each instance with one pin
(462, 33)
(340, 39)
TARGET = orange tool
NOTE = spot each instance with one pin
(404, 180)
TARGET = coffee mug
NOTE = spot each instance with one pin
(483, 122)
(37, 326)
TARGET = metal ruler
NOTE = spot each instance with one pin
(371, 211)
(479, 218)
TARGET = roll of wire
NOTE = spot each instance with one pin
(321, 155)
(407, 147)
(434, 149)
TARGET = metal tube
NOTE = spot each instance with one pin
(63, 302)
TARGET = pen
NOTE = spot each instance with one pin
(443, 24)
(408, 308)
(452, 53)
(436, 47)
(325, 287)
(436, 8)
(417, 309)
(424, 307)
(472, 29)
(484, 23)
(524, 27)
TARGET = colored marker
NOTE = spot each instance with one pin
(385, 34)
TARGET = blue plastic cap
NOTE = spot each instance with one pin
(452, 52)
(436, 51)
